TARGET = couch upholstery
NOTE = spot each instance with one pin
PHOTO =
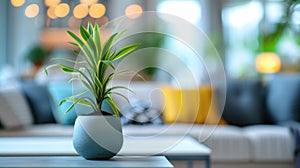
(256, 144)
(259, 145)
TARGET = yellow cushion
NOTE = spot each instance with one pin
(190, 105)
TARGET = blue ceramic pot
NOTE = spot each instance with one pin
(97, 137)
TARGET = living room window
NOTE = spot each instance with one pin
(240, 20)
(252, 27)
(189, 10)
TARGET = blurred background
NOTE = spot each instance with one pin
(252, 37)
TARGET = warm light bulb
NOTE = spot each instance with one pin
(88, 2)
(32, 10)
(52, 2)
(133, 11)
(97, 10)
(268, 62)
(62, 10)
(80, 11)
(51, 12)
(17, 3)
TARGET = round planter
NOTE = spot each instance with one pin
(97, 136)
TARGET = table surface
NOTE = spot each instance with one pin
(77, 161)
(164, 145)
(133, 146)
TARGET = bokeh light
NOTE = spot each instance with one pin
(50, 3)
(80, 11)
(133, 11)
(88, 2)
(97, 10)
(62, 10)
(32, 11)
(51, 12)
(17, 3)
(268, 62)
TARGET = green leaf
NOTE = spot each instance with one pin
(63, 101)
(118, 87)
(49, 67)
(75, 52)
(70, 107)
(68, 69)
(97, 39)
(46, 71)
(107, 46)
(80, 93)
(82, 101)
(109, 63)
(84, 48)
(89, 56)
(106, 81)
(113, 106)
(76, 38)
(67, 60)
(98, 83)
(89, 47)
(121, 95)
(90, 28)
(120, 34)
(80, 43)
(74, 44)
(124, 51)
(84, 34)
(72, 79)
(87, 85)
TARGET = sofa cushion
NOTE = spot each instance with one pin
(283, 98)
(39, 130)
(190, 105)
(38, 99)
(14, 111)
(57, 92)
(269, 143)
(228, 143)
(244, 103)
(152, 130)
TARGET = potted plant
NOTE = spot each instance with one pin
(36, 56)
(97, 135)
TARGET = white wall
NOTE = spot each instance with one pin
(3, 32)
(22, 34)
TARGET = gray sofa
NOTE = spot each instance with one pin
(254, 143)
(251, 146)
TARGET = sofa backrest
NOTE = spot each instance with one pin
(283, 98)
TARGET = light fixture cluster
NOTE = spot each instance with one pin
(91, 8)
(80, 11)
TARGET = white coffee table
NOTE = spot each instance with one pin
(173, 147)
(77, 161)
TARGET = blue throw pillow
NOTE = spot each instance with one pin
(38, 100)
(57, 92)
(283, 98)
